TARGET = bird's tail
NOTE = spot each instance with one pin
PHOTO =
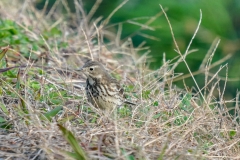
(131, 103)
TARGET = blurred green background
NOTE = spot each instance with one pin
(220, 19)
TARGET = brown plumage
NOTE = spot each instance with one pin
(102, 90)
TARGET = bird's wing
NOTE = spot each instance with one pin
(114, 85)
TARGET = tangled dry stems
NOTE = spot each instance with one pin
(167, 123)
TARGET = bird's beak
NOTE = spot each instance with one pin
(80, 69)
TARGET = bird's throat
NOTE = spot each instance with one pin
(91, 81)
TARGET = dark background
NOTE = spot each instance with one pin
(220, 19)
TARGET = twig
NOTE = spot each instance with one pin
(179, 52)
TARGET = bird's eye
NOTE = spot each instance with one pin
(91, 69)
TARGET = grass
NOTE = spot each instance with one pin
(44, 112)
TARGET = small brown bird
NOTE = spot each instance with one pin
(103, 91)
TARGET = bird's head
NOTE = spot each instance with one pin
(93, 69)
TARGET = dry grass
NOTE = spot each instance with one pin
(166, 123)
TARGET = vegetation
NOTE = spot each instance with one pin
(220, 21)
(44, 113)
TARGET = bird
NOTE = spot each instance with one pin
(102, 90)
